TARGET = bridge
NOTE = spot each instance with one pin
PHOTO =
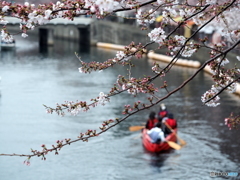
(78, 30)
(84, 31)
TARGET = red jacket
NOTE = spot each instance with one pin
(151, 123)
(172, 123)
(162, 114)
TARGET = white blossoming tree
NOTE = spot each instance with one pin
(220, 14)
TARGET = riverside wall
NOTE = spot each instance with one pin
(118, 33)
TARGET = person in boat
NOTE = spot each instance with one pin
(171, 122)
(156, 134)
(152, 121)
(163, 112)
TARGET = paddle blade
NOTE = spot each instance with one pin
(136, 128)
(182, 142)
(174, 145)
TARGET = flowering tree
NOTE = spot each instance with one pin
(203, 13)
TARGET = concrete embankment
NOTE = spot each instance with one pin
(154, 56)
(179, 62)
(110, 46)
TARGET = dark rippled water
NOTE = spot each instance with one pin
(32, 77)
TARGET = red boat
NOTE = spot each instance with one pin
(157, 147)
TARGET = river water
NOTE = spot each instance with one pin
(32, 77)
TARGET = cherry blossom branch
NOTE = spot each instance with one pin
(220, 91)
(140, 5)
(233, 121)
(168, 67)
(139, 51)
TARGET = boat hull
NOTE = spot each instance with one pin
(157, 147)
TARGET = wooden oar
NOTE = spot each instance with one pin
(174, 145)
(181, 141)
(136, 128)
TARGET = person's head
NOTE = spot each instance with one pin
(152, 115)
(159, 125)
(170, 115)
(160, 119)
(163, 107)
